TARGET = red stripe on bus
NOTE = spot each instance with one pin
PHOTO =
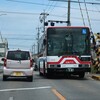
(81, 62)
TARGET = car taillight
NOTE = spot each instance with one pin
(5, 62)
(31, 63)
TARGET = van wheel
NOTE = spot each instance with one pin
(4, 78)
(30, 78)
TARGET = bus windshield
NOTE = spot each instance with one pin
(68, 41)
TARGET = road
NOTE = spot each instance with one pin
(58, 88)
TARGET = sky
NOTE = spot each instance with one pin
(19, 19)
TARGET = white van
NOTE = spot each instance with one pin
(18, 63)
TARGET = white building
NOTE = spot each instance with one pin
(3, 48)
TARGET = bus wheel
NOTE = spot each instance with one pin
(81, 75)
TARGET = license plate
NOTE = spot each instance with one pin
(17, 74)
(69, 65)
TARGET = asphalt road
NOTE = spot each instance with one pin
(57, 88)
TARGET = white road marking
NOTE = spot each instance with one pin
(11, 98)
(20, 89)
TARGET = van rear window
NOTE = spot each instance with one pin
(18, 55)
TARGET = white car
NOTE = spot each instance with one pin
(18, 63)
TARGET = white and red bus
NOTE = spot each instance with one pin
(65, 50)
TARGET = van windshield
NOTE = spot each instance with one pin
(18, 55)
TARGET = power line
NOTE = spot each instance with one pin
(77, 2)
(88, 15)
(19, 35)
(48, 7)
(97, 9)
(81, 13)
(41, 4)
(21, 39)
(18, 45)
(49, 14)
(26, 13)
(52, 7)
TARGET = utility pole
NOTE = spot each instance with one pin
(68, 17)
(42, 19)
(34, 48)
(38, 36)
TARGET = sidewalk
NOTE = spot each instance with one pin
(96, 76)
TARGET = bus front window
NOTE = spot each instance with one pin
(68, 42)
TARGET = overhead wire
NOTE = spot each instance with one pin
(19, 35)
(15, 12)
(88, 16)
(72, 1)
(49, 5)
(81, 13)
(18, 45)
(97, 8)
(22, 38)
(39, 14)
(50, 10)
(42, 5)
(52, 0)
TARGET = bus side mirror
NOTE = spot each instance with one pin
(2, 59)
(44, 42)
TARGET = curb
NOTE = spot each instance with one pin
(96, 77)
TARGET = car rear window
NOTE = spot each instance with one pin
(18, 55)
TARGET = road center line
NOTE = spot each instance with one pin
(58, 94)
(20, 89)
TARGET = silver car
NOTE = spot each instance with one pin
(18, 63)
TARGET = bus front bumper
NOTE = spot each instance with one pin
(68, 70)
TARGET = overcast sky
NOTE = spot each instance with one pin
(19, 19)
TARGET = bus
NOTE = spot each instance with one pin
(65, 50)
